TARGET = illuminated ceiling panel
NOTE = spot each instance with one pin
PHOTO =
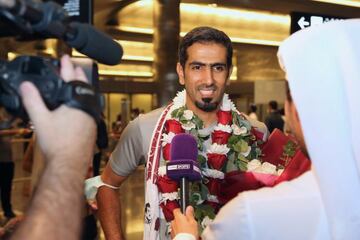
(350, 3)
(126, 70)
(244, 26)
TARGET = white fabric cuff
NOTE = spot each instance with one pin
(184, 236)
(92, 185)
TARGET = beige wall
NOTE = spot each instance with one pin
(113, 106)
(142, 101)
(258, 63)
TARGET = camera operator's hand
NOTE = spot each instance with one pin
(62, 131)
(67, 138)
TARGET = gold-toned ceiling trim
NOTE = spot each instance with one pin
(350, 3)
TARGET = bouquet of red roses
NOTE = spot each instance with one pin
(282, 160)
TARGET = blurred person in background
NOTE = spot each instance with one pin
(252, 111)
(273, 119)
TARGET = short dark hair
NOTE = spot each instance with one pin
(273, 105)
(253, 107)
(205, 35)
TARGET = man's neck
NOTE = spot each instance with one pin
(208, 118)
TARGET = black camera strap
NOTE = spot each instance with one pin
(80, 95)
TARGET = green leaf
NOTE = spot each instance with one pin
(242, 163)
(198, 213)
(241, 146)
(201, 160)
(233, 139)
(198, 122)
(204, 191)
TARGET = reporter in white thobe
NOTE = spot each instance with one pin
(322, 65)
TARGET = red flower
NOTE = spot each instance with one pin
(220, 137)
(214, 186)
(166, 185)
(216, 161)
(172, 125)
(168, 209)
(166, 151)
(224, 117)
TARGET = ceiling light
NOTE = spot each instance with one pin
(350, 3)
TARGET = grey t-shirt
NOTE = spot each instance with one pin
(132, 148)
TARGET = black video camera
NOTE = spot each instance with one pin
(44, 73)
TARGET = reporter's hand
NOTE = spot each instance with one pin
(184, 223)
(64, 131)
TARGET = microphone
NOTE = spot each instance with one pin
(51, 20)
(183, 165)
(94, 44)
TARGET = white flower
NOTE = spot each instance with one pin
(188, 114)
(246, 153)
(218, 148)
(204, 132)
(205, 222)
(266, 168)
(238, 131)
(224, 128)
(213, 173)
(253, 164)
(180, 99)
(188, 125)
(227, 104)
(169, 197)
(280, 171)
(162, 171)
(212, 198)
(167, 138)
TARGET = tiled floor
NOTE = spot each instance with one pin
(131, 197)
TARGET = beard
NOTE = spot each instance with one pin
(206, 105)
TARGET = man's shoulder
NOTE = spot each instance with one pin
(147, 122)
(154, 114)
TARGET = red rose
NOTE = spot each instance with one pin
(220, 137)
(216, 161)
(171, 125)
(168, 209)
(214, 186)
(166, 151)
(224, 118)
(166, 185)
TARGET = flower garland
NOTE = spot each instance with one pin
(234, 143)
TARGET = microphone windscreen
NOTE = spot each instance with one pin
(95, 44)
(183, 146)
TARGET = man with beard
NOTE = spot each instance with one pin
(204, 68)
(324, 79)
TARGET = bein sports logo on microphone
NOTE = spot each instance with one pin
(179, 167)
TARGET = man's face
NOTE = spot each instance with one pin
(294, 124)
(204, 76)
